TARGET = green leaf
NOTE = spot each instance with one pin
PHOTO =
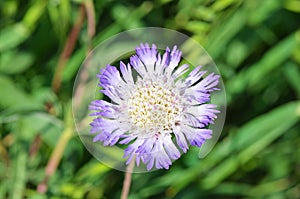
(292, 5)
(220, 5)
(263, 10)
(221, 35)
(253, 138)
(11, 95)
(34, 13)
(15, 62)
(11, 36)
(38, 122)
(253, 76)
(292, 73)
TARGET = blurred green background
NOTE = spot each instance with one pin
(255, 44)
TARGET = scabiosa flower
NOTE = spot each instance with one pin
(158, 113)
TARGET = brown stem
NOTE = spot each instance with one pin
(90, 12)
(35, 145)
(68, 49)
(127, 180)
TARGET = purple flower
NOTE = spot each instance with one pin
(158, 113)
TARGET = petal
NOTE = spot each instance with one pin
(150, 163)
(131, 149)
(138, 65)
(162, 160)
(126, 72)
(147, 55)
(158, 66)
(180, 71)
(100, 137)
(113, 94)
(162, 63)
(170, 148)
(113, 138)
(159, 151)
(193, 97)
(103, 108)
(194, 76)
(147, 146)
(203, 110)
(110, 76)
(197, 122)
(180, 139)
(199, 116)
(113, 84)
(96, 125)
(175, 57)
(166, 58)
(108, 131)
(127, 138)
(196, 136)
(208, 83)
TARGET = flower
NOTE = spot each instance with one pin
(158, 113)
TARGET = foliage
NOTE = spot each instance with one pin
(256, 45)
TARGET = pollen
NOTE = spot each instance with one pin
(152, 107)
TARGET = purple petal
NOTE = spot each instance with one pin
(100, 137)
(131, 149)
(127, 138)
(208, 110)
(193, 121)
(174, 60)
(113, 138)
(196, 97)
(175, 57)
(158, 154)
(108, 131)
(181, 140)
(147, 146)
(166, 58)
(208, 83)
(161, 64)
(150, 163)
(180, 71)
(194, 76)
(113, 94)
(110, 76)
(138, 65)
(126, 72)
(200, 116)
(103, 108)
(170, 148)
(147, 55)
(196, 136)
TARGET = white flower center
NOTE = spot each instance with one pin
(153, 108)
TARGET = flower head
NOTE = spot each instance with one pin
(157, 113)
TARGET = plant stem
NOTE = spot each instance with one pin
(127, 180)
(68, 49)
(83, 75)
